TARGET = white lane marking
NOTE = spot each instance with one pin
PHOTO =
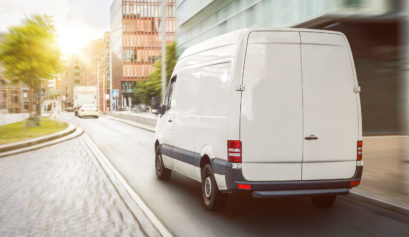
(107, 165)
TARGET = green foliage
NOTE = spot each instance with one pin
(29, 53)
(145, 90)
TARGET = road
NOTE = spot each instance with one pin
(178, 204)
(61, 190)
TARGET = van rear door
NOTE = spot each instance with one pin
(271, 127)
(331, 119)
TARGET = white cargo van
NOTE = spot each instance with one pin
(272, 112)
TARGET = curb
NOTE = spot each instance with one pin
(148, 220)
(379, 203)
(38, 140)
(132, 123)
(143, 118)
(76, 132)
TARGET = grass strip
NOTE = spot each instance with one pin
(16, 132)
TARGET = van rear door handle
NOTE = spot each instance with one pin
(170, 120)
(311, 137)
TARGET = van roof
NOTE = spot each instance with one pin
(233, 38)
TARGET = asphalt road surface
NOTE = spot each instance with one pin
(178, 204)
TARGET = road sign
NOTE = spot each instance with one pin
(115, 93)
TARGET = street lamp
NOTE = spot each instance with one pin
(163, 36)
(98, 69)
(110, 65)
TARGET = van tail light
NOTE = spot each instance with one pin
(82, 110)
(359, 151)
(234, 151)
(96, 110)
(354, 183)
(244, 186)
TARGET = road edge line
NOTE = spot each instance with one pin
(106, 164)
(131, 123)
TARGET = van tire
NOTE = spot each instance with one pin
(323, 201)
(162, 172)
(213, 199)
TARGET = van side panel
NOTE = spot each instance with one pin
(211, 110)
(330, 107)
(271, 110)
(183, 120)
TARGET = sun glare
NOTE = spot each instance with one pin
(72, 41)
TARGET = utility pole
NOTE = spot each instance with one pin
(104, 92)
(163, 36)
(110, 71)
(98, 64)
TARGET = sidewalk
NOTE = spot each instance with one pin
(382, 178)
(383, 169)
(6, 118)
(63, 191)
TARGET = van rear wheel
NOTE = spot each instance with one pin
(212, 197)
(162, 172)
(323, 201)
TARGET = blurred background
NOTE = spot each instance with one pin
(111, 57)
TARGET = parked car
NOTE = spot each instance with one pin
(69, 109)
(89, 110)
(140, 108)
(76, 108)
(272, 112)
(155, 104)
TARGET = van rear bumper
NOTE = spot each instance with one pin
(300, 193)
(262, 189)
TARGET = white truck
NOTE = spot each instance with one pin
(84, 95)
(274, 112)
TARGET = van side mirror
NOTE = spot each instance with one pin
(162, 109)
(155, 105)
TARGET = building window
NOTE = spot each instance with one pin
(128, 87)
(3, 99)
(352, 3)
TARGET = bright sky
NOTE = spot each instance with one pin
(77, 21)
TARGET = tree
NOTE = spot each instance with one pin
(29, 54)
(145, 90)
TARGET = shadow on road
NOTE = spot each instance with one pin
(245, 215)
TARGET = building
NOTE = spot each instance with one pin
(136, 43)
(13, 99)
(81, 69)
(371, 26)
(104, 85)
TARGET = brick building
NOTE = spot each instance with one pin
(136, 43)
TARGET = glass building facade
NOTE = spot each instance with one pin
(373, 28)
(136, 43)
(198, 20)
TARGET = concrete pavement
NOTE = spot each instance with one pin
(62, 191)
(6, 118)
